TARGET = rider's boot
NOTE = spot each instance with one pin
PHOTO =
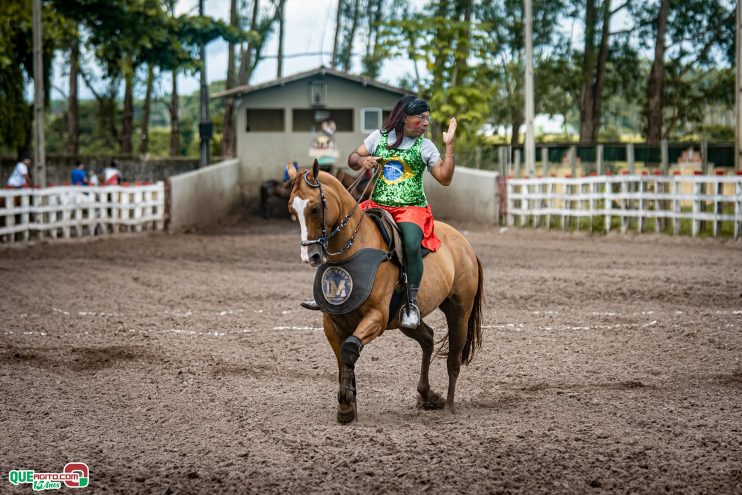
(310, 304)
(409, 315)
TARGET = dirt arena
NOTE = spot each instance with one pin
(183, 364)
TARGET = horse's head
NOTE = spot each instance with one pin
(315, 200)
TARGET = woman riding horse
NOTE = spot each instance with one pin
(405, 155)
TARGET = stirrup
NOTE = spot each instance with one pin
(409, 317)
(310, 304)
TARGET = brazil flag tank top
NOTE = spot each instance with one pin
(401, 180)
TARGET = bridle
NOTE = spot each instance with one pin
(324, 239)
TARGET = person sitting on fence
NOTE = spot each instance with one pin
(78, 177)
(111, 175)
(19, 177)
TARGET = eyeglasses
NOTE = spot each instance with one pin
(424, 118)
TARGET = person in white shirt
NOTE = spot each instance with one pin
(93, 178)
(19, 176)
(111, 175)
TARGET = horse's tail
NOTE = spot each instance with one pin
(474, 330)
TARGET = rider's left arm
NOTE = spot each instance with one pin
(444, 167)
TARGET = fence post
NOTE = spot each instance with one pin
(538, 202)
(624, 193)
(599, 159)
(578, 186)
(718, 192)
(54, 201)
(566, 191)
(478, 157)
(696, 207)
(550, 201)
(591, 202)
(525, 191)
(675, 204)
(658, 189)
(641, 221)
(630, 157)
(607, 202)
(544, 161)
(509, 188)
(665, 157)
(738, 206)
(10, 215)
(25, 214)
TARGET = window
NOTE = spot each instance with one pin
(370, 119)
(265, 120)
(308, 120)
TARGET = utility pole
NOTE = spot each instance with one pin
(530, 143)
(738, 92)
(38, 100)
(205, 127)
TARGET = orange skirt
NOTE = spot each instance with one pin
(422, 217)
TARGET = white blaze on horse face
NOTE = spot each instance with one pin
(300, 205)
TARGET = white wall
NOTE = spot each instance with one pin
(204, 196)
(472, 196)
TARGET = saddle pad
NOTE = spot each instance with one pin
(341, 287)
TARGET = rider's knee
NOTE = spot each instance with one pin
(411, 246)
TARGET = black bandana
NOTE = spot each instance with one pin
(416, 107)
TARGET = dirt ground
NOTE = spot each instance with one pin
(183, 364)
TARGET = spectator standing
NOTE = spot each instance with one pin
(78, 176)
(93, 178)
(111, 175)
(19, 177)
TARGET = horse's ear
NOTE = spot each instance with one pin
(292, 171)
(315, 170)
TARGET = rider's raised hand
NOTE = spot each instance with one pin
(450, 135)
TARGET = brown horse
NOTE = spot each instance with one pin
(334, 227)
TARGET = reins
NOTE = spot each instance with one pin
(324, 239)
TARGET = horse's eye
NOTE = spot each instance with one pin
(314, 210)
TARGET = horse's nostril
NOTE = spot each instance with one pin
(315, 258)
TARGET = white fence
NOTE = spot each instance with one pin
(670, 203)
(74, 211)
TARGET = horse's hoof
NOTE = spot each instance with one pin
(346, 413)
(450, 408)
(434, 401)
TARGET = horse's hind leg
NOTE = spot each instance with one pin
(457, 319)
(426, 398)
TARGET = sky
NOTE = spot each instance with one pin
(309, 27)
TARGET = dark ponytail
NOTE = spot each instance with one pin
(407, 105)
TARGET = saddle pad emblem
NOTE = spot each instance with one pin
(337, 285)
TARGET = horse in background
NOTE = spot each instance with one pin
(280, 189)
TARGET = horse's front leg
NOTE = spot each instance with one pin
(347, 352)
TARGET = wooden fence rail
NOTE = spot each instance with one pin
(73, 211)
(705, 201)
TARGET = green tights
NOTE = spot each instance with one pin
(412, 238)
